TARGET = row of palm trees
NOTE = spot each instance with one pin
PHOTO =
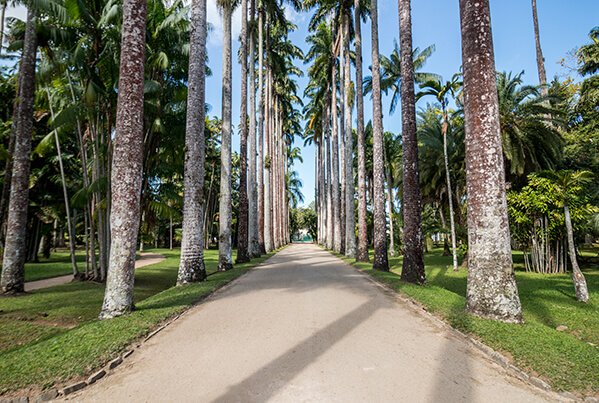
(492, 290)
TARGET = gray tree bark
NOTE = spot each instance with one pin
(335, 165)
(268, 245)
(350, 219)
(260, 165)
(362, 252)
(254, 239)
(413, 261)
(381, 261)
(539, 51)
(225, 261)
(580, 283)
(15, 247)
(191, 266)
(243, 254)
(127, 162)
(491, 291)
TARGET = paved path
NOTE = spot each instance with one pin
(304, 327)
(146, 259)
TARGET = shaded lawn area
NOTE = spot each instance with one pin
(59, 264)
(568, 360)
(53, 334)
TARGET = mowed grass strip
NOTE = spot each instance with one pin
(568, 360)
(52, 335)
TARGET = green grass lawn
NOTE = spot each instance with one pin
(59, 264)
(53, 334)
(568, 360)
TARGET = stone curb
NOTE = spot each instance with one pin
(53, 393)
(487, 351)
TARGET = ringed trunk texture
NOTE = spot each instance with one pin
(15, 247)
(329, 188)
(127, 163)
(540, 58)
(580, 283)
(335, 165)
(225, 261)
(381, 261)
(350, 220)
(243, 219)
(254, 245)
(362, 252)
(191, 265)
(454, 249)
(260, 167)
(413, 261)
(491, 290)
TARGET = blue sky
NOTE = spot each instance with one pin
(564, 25)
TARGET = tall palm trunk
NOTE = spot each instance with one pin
(580, 283)
(540, 58)
(454, 249)
(260, 158)
(191, 265)
(225, 261)
(362, 253)
(413, 261)
(127, 163)
(2, 17)
(267, 168)
(491, 290)
(335, 165)
(70, 222)
(254, 245)
(15, 247)
(350, 219)
(342, 150)
(392, 250)
(329, 222)
(381, 261)
(243, 254)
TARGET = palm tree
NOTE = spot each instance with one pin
(225, 261)
(440, 91)
(381, 261)
(362, 252)
(393, 153)
(3, 6)
(588, 55)
(243, 254)
(492, 290)
(569, 185)
(540, 58)
(413, 261)
(391, 73)
(13, 264)
(191, 266)
(254, 241)
(350, 220)
(529, 128)
(127, 162)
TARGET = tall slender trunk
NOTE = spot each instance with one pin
(392, 250)
(225, 261)
(260, 167)
(580, 283)
(540, 58)
(350, 220)
(491, 289)
(15, 247)
(336, 223)
(2, 17)
(267, 168)
(454, 249)
(413, 261)
(243, 254)
(254, 241)
(329, 222)
(381, 261)
(127, 163)
(70, 222)
(191, 264)
(342, 149)
(362, 253)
